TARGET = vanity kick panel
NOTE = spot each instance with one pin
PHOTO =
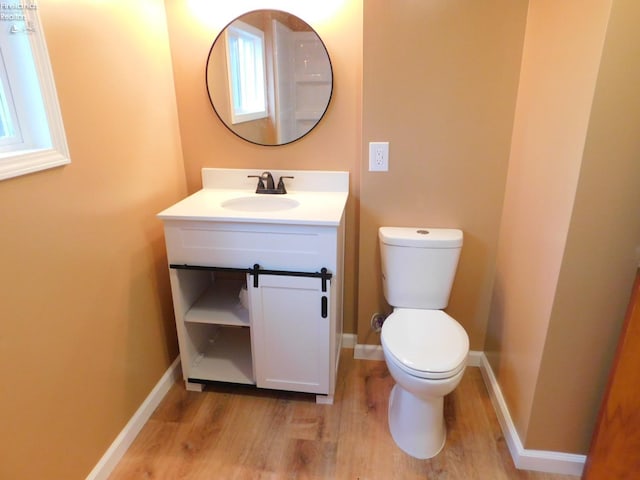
(286, 249)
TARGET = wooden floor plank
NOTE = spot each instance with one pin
(234, 432)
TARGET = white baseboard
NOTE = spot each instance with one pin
(524, 459)
(474, 359)
(123, 441)
(368, 352)
(349, 340)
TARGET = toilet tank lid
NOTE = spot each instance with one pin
(421, 237)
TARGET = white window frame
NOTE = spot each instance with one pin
(248, 81)
(42, 142)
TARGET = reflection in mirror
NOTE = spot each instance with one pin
(269, 77)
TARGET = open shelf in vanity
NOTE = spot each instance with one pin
(223, 356)
(215, 333)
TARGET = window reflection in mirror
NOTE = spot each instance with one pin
(246, 71)
(269, 77)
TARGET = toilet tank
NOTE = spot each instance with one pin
(419, 265)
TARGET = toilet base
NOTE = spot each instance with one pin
(417, 424)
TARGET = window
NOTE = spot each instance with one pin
(31, 131)
(9, 135)
(246, 70)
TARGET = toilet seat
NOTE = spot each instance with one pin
(425, 343)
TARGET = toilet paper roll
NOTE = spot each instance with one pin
(243, 296)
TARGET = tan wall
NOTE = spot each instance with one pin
(86, 319)
(333, 145)
(440, 82)
(602, 251)
(557, 82)
(570, 228)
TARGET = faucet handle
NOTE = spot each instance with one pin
(281, 187)
(260, 182)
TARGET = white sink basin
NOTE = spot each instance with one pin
(260, 203)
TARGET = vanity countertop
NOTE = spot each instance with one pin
(321, 198)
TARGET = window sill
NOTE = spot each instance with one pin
(13, 164)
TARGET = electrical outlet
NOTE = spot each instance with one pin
(378, 156)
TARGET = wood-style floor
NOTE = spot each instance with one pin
(234, 432)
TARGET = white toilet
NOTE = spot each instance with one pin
(425, 349)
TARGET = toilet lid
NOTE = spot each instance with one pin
(427, 343)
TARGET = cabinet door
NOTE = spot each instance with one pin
(290, 333)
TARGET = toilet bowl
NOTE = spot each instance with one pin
(424, 348)
(426, 353)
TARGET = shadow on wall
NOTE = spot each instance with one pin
(493, 342)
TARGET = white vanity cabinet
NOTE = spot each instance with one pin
(258, 296)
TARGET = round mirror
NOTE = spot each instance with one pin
(269, 77)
